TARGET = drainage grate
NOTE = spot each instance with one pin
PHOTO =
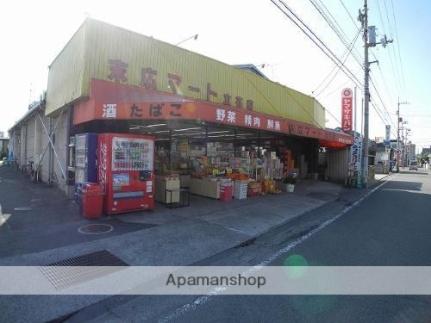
(97, 228)
(98, 258)
(85, 267)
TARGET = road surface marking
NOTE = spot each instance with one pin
(201, 300)
(22, 208)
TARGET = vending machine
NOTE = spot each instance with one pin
(125, 170)
(85, 158)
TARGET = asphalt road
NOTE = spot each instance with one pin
(390, 227)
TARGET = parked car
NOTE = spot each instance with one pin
(413, 165)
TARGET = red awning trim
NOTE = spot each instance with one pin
(115, 101)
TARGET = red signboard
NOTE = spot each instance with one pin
(114, 101)
(346, 109)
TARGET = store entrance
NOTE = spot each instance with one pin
(214, 161)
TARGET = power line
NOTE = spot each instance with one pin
(337, 88)
(335, 26)
(385, 83)
(346, 56)
(333, 116)
(391, 59)
(358, 28)
(387, 15)
(398, 42)
(379, 113)
(315, 39)
(338, 33)
(392, 53)
(323, 47)
(381, 100)
(350, 15)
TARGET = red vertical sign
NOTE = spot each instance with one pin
(346, 109)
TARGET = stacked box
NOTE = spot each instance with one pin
(254, 189)
(168, 189)
(240, 190)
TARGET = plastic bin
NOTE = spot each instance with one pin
(226, 193)
(92, 200)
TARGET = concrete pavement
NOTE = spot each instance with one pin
(43, 224)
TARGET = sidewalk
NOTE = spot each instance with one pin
(379, 177)
(44, 230)
(42, 224)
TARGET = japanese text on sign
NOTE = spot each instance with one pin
(346, 110)
(148, 80)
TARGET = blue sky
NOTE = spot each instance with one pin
(240, 31)
(414, 23)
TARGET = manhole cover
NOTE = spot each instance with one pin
(98, 228)
(22, 208)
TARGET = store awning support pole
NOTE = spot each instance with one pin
(170, 149)
(206, 141)
(235, 143)
(47, 145)
(258, 143)
(52, 145)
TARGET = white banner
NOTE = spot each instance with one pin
(199, 280)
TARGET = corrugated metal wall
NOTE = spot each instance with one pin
(23, 142)
(104, 42)
(65, 77)
(338, 165)
(16, 146)
(31, 140)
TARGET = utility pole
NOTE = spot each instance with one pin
(399, 120)
(366, 97)
(407, 148)
(369, 37)
(398, 136)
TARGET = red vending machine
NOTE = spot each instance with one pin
(125, 170)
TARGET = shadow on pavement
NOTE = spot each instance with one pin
(403, 185)
(413, 172)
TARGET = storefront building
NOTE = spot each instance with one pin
(210, 120)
